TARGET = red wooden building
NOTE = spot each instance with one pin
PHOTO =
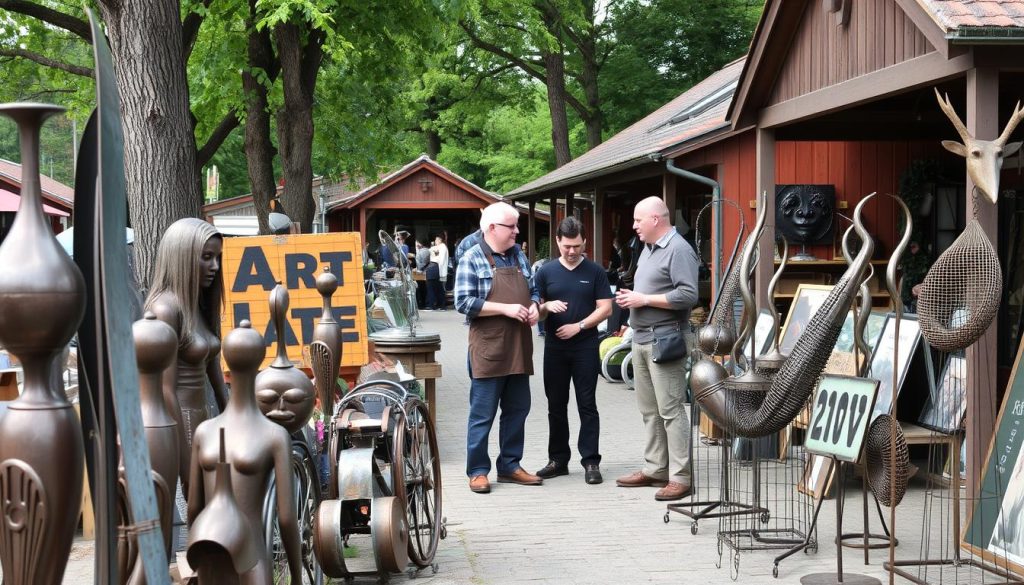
(840, 92)
(58, 198)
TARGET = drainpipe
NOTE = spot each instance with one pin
(716, 199)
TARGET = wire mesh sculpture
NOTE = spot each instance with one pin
(960, 295)
(756, 414)
(718, 336)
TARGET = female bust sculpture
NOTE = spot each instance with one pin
(186, 294)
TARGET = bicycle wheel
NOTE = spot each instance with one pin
(423, 484)
(306, 487)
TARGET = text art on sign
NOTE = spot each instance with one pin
(839, 416)
(254, 265)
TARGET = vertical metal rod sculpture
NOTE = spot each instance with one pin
(771, 361)
(42, 296)
(283, 392)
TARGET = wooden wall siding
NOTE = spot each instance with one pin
(409, 190)
(823, 54)
(585, 215)
(855, 168)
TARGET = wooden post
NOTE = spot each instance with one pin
(597, 238)
(531, 232)
(765, 147)
(982, 123)
(668, 194)
(552, 247)
(570, 204)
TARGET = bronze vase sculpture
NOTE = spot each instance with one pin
(284, 393)
(257, 449)
(328, 332)
(41, 449)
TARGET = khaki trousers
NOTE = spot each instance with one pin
(660, 396)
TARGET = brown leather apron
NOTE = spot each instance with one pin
(499, 346)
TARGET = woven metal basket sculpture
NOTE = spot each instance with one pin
(960, 295)
(749, 415)
(886, 483)
(749, 380)
(719, 335)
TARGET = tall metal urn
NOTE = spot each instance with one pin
(41, 452)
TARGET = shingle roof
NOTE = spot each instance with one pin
(955, 14)
(51, 188)
(666, 127)
(420, 162)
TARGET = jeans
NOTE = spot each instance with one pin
(579, 365)
(436, 298)
(512, 394)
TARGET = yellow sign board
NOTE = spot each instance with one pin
(254, 265)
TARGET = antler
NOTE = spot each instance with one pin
(1018, 115)
(953, 117)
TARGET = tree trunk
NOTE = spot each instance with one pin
(433, 143)
(259, 149)
(554, 63)
(588, 79)
(300, 65)
(159, 148)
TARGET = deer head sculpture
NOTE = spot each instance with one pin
(984, 157)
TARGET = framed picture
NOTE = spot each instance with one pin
(806, 302)
(817, 479)
(763, 334)
(995, 528)
(944, 410)
(883, 364)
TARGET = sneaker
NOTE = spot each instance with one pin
(592, 474)
(553, 469)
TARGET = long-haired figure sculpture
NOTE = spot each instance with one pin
(186, 294)
(749, 413)
(960, 294)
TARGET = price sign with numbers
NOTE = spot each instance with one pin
(840, 415)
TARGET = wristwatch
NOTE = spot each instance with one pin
(583, 325)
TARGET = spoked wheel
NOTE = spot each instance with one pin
(422, 484)
(306, 487)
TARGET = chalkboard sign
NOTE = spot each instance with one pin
(840, 415)
(996, 526)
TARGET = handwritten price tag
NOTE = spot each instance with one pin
(840, 416)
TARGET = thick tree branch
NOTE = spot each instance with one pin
(190, 30)
(492, 48)
(217, 137)
(59, 19)
(47, 62)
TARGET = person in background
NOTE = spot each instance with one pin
(664, 290)
(437, 272)
(534, 269)
(422, 259)
(493, 290)
(575, 297)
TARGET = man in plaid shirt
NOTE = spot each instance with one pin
(493, 289)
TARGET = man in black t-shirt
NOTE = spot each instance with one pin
(576, 298)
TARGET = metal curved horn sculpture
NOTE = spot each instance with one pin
(719, 335)
(960, 295)
(756, 414)
(770, 363)
(750, 380)
(888, 459)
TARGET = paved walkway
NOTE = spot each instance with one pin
(569, 532)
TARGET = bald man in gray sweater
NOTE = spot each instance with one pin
(664, 290)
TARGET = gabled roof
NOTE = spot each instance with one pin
(333, 192)
(52, 189)
(696, 112)
(956, 14)
(424, 162)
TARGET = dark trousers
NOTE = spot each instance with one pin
(512, 394)
(436, 298)
(579, 365)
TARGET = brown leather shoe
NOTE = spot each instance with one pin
(673, 491)
(520, 476)
(638, 479)
(479, 484)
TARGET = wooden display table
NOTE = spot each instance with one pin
(417, 357)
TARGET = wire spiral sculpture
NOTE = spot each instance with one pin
(888, 484)
(961, 292)
(757, 414)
